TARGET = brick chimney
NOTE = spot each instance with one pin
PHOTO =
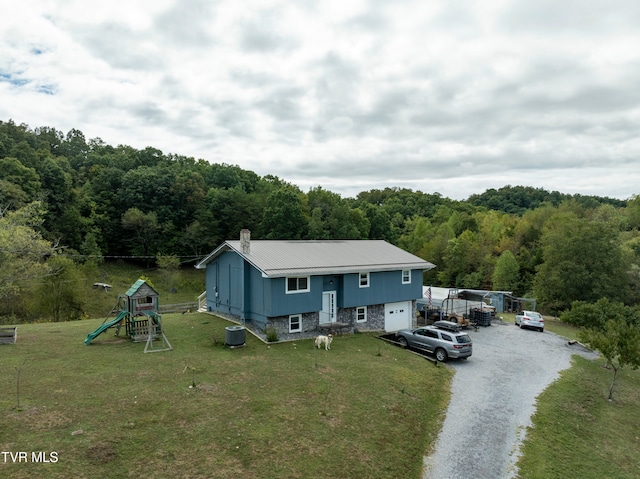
(245, 241)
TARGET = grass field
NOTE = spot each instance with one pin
(550, 324)
(364, 409)
(181, 286)
(578, 433)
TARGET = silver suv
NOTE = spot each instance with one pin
(444, 339)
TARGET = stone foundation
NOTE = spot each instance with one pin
(310, 321)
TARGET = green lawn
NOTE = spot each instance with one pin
(578, 433)
(364, 409)
(181, 286)
(550, 324)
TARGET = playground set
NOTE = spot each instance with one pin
(137, 309)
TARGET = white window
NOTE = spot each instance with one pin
(406, 276)
(361, 314)
(299, 284)
(364, 280)
(295, 323)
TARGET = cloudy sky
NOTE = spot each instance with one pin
(453, 96)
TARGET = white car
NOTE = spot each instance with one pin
(530, 319)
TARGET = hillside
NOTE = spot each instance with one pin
(78, 202)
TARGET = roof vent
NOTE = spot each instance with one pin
(245, 241)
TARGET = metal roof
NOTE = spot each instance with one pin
(279, 258)
(137, 285)
(441, 293)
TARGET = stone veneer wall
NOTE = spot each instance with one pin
(375, 319)
(374, 322)
(281, 325)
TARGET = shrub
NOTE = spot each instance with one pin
(271, 333)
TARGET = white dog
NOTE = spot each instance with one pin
(326, 340)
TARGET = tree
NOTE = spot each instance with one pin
(12, 195)
(322, 204)
(198, 238)
(102, 193)
(145, 228)
(582, 261)
(284, 216)
(188, 195)
(380, 224)
(595, 315)
(49, 139)
(418, 231)
(149, 188)
(229, 176)
(515, 199)
(632, 212)
(618, 342)
(506, 272)
(317, 228)
(22, 249)
(25, 154)
(462, 259)
(74, 147)
(22, 184)
(169, 265)
(60, 295)
(232, 210)
(347, 223)
(434, 250)
(90, 248)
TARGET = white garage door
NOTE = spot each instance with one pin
(397, 316)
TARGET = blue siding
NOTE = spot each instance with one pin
(243, 292)
(258, 301)
(235, 287)
(384, 287)
(224, 277)
(295, 303)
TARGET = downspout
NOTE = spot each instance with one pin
(245, 247)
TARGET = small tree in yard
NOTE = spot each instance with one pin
(595, 315)
(60, 296)
(619, 343)
(169, 266)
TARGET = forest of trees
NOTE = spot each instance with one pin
(67, 201)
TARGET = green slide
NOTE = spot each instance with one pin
(103, 327)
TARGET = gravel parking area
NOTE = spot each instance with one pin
(493, 399)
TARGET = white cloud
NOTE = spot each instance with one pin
(435, 96)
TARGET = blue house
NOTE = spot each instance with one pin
(304, 286)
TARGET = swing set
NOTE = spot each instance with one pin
(138, 311)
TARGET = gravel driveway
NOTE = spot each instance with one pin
(493, 398)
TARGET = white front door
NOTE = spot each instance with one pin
(328, 313)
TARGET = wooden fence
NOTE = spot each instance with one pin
(178, 307)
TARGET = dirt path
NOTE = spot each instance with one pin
(493, 398)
